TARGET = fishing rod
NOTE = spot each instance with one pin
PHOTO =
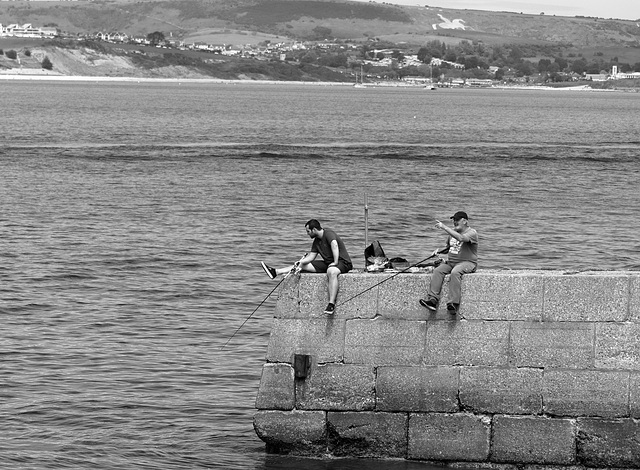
(385, 280)
(295, 269)
(366, 220)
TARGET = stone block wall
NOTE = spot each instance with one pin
(540, 369)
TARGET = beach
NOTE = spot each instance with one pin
(52, 77)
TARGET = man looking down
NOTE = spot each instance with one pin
(335, 259)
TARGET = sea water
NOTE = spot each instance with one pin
(135, 216)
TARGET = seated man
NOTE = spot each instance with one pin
(335, 259)
(462, 247)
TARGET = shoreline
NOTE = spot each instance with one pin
(222, 81)
(85, 78)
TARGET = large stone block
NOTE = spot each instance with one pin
(417, 389)
(357, 295)
(400, 297)
(634, 298)
(586, 393)
(442, 313)
(322, 338)
(617, 346)
(277, 391)
(367, 434)
(467, 343)
(520, 439)
(501, 390)
(503, 296)
(609, 443)
(440, 436)
(384, 342)
(295, 432)
(313, 295)
(586, 297)
(634, 395)
(337, 387)
(287, 304)
(560, 345)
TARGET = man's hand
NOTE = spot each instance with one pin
(439, 224)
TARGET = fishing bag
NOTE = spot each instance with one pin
(373, 253)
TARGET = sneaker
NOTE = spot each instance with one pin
(452, 308)
(431, 304)
(269, 270)
(330, 309)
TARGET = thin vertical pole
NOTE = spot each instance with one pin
(366, 221)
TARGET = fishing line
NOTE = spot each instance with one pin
(384, 280)
(254, 311)
(295, 269)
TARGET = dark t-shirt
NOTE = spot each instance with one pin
(323, 247)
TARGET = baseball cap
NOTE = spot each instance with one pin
(459, 215)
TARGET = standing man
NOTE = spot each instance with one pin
(335, 259)
(462, 249)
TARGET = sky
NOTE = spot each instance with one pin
(622, 9)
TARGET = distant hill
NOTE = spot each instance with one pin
(310, 19)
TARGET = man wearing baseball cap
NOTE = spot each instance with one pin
(462, 250)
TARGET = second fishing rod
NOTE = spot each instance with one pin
(386, 279)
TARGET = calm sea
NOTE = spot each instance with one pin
(134, 217)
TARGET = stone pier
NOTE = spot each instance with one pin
(540, 369)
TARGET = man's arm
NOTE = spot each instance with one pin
(309, 257)
(463, 237)
(335, 251)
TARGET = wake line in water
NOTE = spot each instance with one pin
(437, 145)
(317, 145)
(608, 153)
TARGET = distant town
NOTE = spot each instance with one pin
(423, 67)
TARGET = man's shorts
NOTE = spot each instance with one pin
(321, 266)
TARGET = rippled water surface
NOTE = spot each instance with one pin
(134, 217)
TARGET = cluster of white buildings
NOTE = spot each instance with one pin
(27, 31)
(247, 50)
(616, 75)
